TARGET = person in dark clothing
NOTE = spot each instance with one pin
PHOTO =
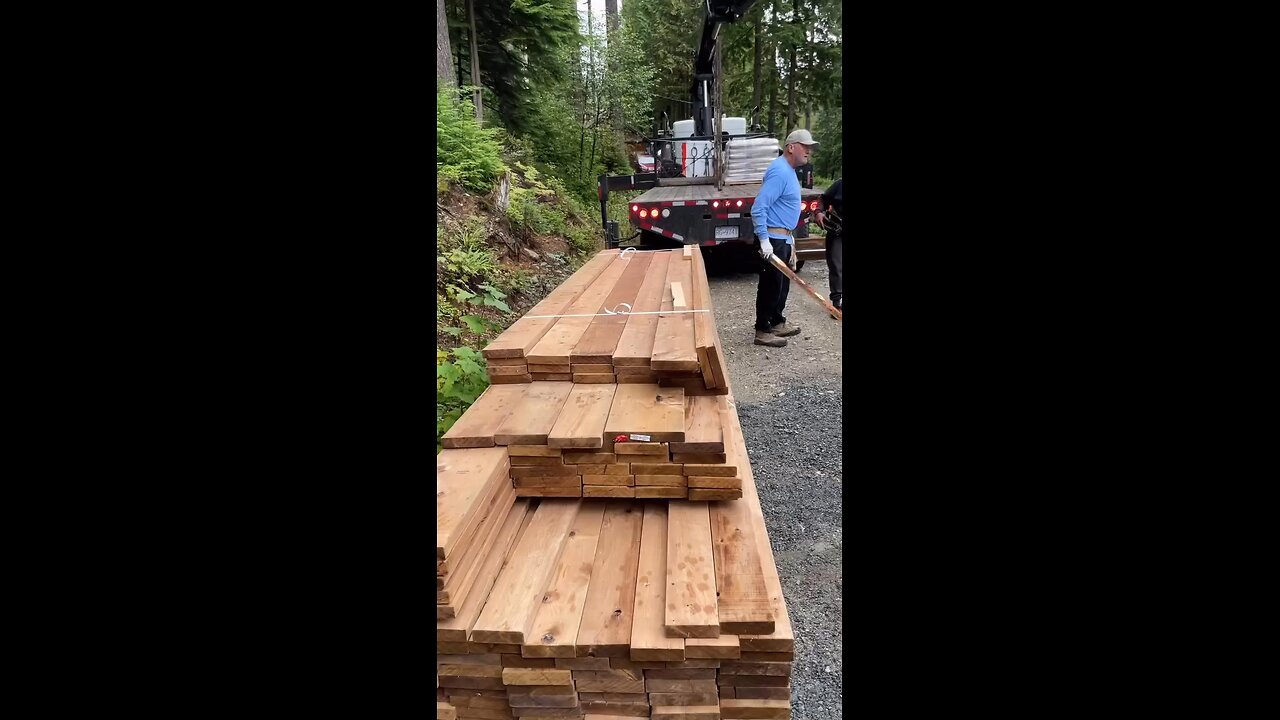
(830, 217)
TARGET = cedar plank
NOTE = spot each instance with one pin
(605, 629)
(649, 639)
(476, 426)
(601, 338)
(532, 417)
(555, 627)
(581, 422)
(524, 333)
(517, 593)
(635, 346)
(559, 341)
(691, 607)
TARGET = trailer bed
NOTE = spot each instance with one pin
(709, 192)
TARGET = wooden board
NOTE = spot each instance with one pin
(659, 491)
(743, 605)
(607, 613)
(459, 582)
(582, 419)
(676, 481)
(782, 639)
(635, 345)
(723, 647)
(755, 709)
(647, 410)
(593, 378)
(704, 458)
(608, 491)
(640, 468)
(673, 340)
(601, 338)
(456, 628)
(691, 607)
(686, 712)
(649, 639)
(531, 419)
(565, 376)
(507, 370)
(702, 427)
(536, 676)
(517, 594)
(640, 448)
(478, 424)
(555, 627)
(593, 367)
(465, 480)
(533, 451)
(524, 333)
(558, 342)
(712, 494)
(550, 368)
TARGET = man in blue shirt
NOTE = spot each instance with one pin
(775, 214)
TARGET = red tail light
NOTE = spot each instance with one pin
(813, 205)
(715, 203)
(739, 203)
(644, 213)
(635, 208)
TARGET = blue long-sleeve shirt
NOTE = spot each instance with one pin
(778, 204)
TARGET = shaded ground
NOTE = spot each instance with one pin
(790, 402)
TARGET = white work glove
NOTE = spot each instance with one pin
(766, 247)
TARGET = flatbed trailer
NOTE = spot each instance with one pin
(692, 211)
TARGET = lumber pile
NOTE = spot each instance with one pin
(605, 441)
(621, 608)
(622, 318)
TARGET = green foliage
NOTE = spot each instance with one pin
(460, 378)
(465, 152)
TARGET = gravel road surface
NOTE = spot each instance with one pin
(790, 402)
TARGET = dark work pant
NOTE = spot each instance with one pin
(835, 265)
(771, 293)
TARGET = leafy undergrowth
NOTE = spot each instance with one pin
(498, 252)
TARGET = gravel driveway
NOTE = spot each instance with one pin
(790, 402)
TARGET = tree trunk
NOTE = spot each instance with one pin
(444, 52)
(475, 63)
(791, 71)
(611, 20)
(755, 72)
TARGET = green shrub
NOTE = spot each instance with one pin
(466, 153)
(458, 383)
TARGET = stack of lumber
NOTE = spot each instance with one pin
(624, 608)
(633, 317)
(605, 441)
(474, 502)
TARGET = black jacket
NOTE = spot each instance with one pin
(833, 198)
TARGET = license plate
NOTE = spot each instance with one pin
(727, 232)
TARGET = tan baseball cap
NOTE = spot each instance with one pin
(801, 136)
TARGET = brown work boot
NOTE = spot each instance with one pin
(768, 340)
(784, 330)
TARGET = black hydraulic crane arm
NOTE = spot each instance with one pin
(716, 13)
